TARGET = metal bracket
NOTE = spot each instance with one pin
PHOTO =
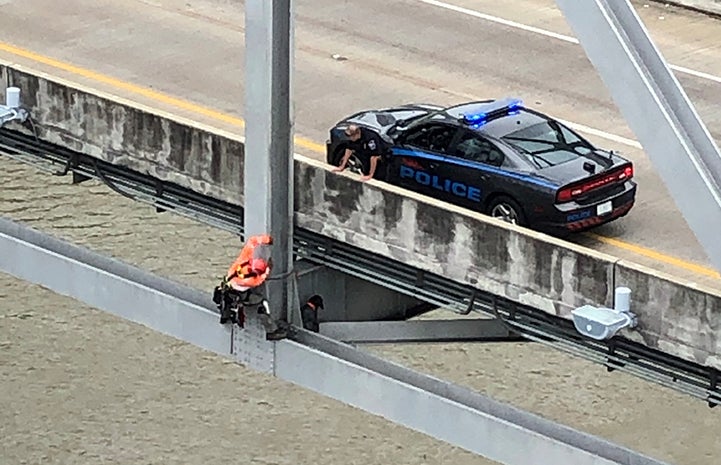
(12, 111)
(8, 114)
(713, 385)
(471, 303)
(609, 361)
(420, 278)
(71, 164)
(159, 190)
(78, 178)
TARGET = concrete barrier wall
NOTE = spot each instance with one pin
(205, 159)
(465, 246)
(678, 317)
(525, 266)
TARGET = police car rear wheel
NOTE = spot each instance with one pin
(508, 210)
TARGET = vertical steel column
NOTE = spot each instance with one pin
(268, 172)
(656, 108)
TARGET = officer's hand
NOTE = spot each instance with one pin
(366, 178)
(338, 169)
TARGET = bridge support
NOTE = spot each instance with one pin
(349, 298)
(268, 171)
(434, 407)
(656, 108)
(416, 331)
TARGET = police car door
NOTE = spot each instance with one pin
(474, 166)
(420, 155)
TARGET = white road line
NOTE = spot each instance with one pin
(496, 19)
(603, 134)
(544, 32)
(698, 74)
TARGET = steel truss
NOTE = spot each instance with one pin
(533, 324)
(470, 420)
(656, 108)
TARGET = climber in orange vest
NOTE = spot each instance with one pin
(249, 271)
(253, 264)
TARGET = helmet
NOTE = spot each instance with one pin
(258, 265)
(317, 301)
(262, 252)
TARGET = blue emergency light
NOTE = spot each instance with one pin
(483, 112)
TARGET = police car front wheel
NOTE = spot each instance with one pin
(355, 165)
(508, 210)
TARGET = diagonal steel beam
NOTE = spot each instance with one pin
(113, 286)
(656, 108)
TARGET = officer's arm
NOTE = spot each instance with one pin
(372, 170)
(344, 161)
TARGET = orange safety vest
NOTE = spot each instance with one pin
(252, 267)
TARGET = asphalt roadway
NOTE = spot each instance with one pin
(94, 389)
(438, 52)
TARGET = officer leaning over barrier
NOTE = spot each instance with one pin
(366, 146)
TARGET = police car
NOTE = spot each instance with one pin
(500, 158)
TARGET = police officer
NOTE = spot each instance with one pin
(309, 313)
(366, 145)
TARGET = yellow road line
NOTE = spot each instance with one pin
(658, 256)
(299, 141)
(143, 91)
(118, 84)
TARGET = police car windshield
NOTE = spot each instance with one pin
(548, 143)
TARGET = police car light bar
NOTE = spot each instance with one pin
(506, 106)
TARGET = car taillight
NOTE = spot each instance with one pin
(566, 194)
(569, 193)
(627, 173)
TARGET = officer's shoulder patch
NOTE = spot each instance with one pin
(372, 144)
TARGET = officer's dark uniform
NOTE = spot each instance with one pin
(368, 145)
(309, 313)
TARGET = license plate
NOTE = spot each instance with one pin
(605, 208)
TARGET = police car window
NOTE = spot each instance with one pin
(548, 144)
(472, 147)
(432, 137)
